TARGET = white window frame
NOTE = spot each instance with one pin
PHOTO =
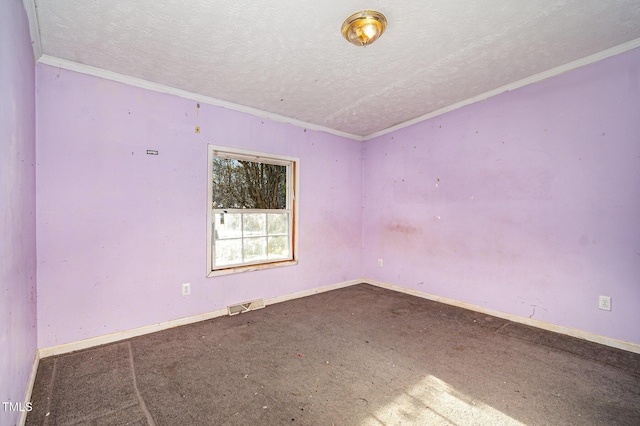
(293, 165)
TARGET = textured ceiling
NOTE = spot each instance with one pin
(288, 57)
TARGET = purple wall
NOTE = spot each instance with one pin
(527, 203)
(17, 207)
(119, 230)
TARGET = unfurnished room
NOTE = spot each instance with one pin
(320, 213)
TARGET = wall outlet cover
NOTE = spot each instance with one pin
(604, 303)
(186, 289)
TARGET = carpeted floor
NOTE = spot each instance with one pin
(361, 355)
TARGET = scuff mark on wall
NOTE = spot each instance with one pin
(402, 228)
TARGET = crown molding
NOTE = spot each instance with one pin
(616, 50)
(34, 27)
(161, 88)
(156, 87)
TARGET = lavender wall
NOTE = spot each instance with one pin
(527, 203)
(17, 207)
(119, 230)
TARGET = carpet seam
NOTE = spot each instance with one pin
(499, 331)
(50, 393)
(143, 406)
(84, 420)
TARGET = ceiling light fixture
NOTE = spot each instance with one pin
(364, 27)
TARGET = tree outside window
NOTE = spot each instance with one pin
(252, 215)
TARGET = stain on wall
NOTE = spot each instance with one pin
(530, 198)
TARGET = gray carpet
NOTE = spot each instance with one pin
(355, 356)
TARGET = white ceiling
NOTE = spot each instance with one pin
(287, 58)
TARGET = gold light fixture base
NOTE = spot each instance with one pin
(363, 28)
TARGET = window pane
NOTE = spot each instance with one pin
(242, 238)
(228, 252)
(279, 247)
(227, 225)
(255, 249)
(278, 223)
(239, 184)
(252, 209)
(255, 224)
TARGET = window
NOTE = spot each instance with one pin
(252, 210)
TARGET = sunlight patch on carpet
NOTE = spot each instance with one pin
(433, 401)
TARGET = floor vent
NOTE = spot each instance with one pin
(246, 306)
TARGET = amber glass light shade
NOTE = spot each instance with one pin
(364, 27)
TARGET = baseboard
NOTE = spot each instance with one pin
(603, 340)
(311, 292)
(127, 334)
(29, 390)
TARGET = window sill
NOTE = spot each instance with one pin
(248, 268)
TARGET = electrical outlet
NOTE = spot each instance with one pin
(380, 263)
(186, 289)
(604, 303)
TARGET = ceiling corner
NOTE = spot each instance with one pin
(596, 57)
(34, 27)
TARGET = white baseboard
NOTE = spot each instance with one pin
(127, 334)
(29, 390)
(311, 292)
(608, 341)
